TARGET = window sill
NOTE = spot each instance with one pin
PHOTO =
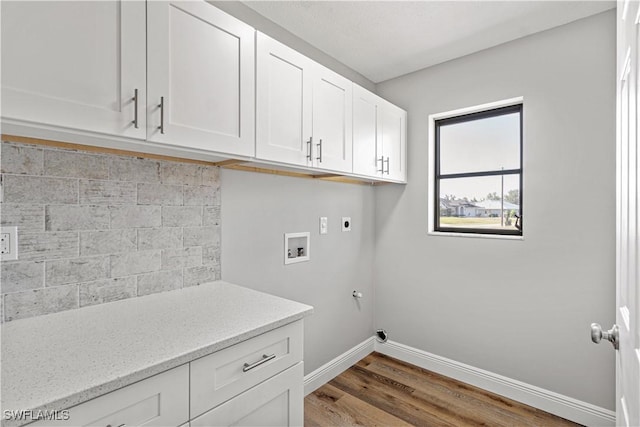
(475, 235)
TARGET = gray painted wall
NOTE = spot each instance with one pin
(258, 209)
(517, 308)
(264, 25)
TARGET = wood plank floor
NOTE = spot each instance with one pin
(382, 391)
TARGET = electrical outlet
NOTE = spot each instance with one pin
(346, 223)
(8, 243)
(324, 226)
(5, 240)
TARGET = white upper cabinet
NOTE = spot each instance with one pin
(201, 78)
(393, 121)
(379, 137)
(76, 65)
(332, 121)
(190, 79)
(303, 110)
(367, 141)
(283, 103)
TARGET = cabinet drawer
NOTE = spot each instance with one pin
(162, 400)
(275, 402)
(222, 375)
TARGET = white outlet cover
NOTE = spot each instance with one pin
(11, 244)
(346, 223)
(324, 225)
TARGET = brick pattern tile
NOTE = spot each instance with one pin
(95, 228)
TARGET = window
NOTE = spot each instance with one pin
(478, 172)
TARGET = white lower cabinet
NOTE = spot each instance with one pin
(257, 382)
(162, 400)
(275, 402)
(220, 376)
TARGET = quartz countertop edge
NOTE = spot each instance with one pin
(53, 352)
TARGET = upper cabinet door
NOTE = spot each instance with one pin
(393, 122)
(379, 137)
(77, 65)
(367, 140)
(283, 103)
(332, 121)
(201, 78)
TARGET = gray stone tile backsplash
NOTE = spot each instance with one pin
(95, 228)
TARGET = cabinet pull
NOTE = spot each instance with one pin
(309, 148)
(161, 106)
(319, 158)
(135, 108)
(265, 359)
(387, 161)
(381, 164)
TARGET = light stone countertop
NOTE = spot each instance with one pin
(59, 360)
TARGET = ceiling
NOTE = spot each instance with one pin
(385, 39)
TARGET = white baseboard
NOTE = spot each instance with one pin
(554, 403)
(335, 367)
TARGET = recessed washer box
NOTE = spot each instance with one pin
(296, 247)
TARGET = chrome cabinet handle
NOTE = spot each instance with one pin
(265, 359)
(387, 161)
(381, 164)
(309, 147)
(135, 108)
(319, 158)
(161, 106)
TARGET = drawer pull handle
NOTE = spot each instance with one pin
(265, 359)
